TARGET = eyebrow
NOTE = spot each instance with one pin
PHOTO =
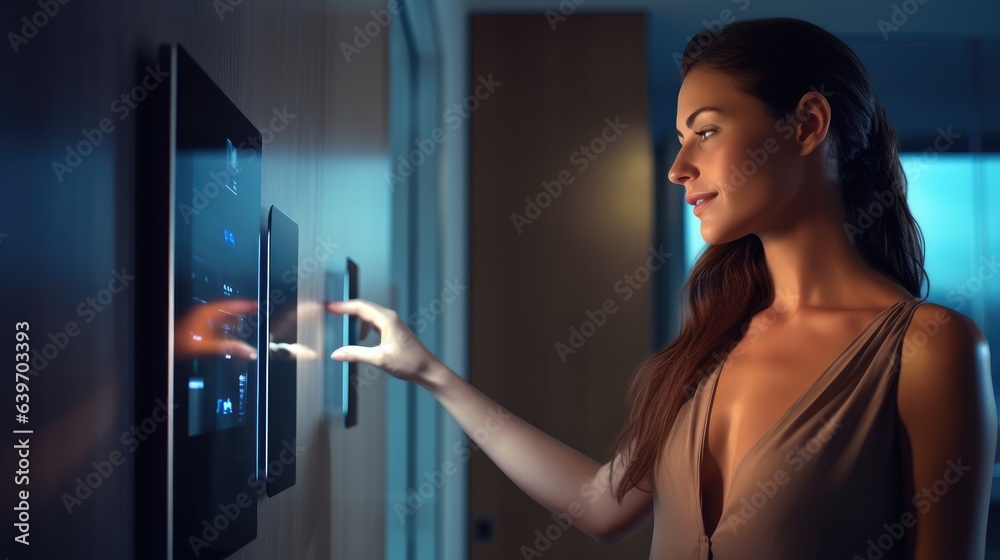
(695, 114)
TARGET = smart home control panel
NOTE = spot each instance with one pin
(198, 317)
(278, 384)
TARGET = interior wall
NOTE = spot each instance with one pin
(69, 234)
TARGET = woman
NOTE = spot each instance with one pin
(739, 443)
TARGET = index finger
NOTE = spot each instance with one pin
(371, 312)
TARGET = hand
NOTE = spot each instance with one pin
(399, 353)
(202, 331)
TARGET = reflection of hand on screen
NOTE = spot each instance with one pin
(213, 329)
(296, 351)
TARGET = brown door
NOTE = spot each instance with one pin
(561, 251)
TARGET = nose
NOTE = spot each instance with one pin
(682, 170)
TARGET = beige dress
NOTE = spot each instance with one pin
(825, 481)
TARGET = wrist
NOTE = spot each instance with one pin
(436, 378)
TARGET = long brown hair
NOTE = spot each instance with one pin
(776, 60)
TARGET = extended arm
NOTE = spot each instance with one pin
(556, 476)
(553, 474)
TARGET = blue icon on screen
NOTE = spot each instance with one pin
(224, 406)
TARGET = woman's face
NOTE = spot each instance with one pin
(749, 162)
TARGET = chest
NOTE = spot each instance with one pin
(753, 392)
(760, 381)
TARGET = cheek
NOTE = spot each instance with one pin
(758, 169)
(738, 171)
(784, 171)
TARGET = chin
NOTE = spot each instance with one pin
(715, 235)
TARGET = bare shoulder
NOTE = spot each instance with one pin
(941, 344)
(944, 356)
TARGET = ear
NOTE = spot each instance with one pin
(812, 121)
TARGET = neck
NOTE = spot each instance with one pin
(814, 263)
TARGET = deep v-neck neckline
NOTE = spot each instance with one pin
(706, 416)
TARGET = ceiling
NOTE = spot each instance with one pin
(964, 18)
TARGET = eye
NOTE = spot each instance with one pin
(700, 135)
(703, 132)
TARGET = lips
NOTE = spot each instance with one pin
(693, 198)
